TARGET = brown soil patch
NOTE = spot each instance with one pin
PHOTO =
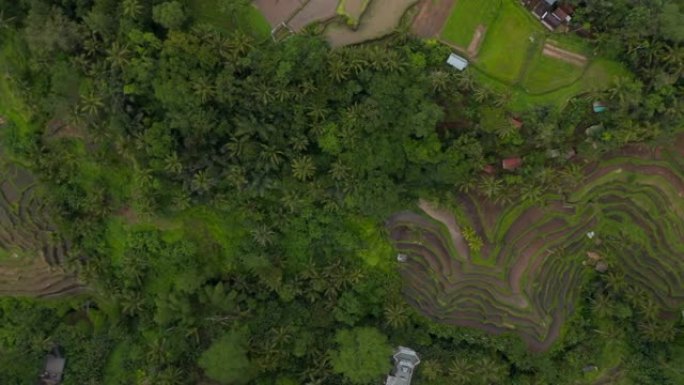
(450, 222)
(279, 11)
(476, 42)
(313, 11)
(431, 17)
(567, 56)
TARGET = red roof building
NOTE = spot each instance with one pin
(489, 169)
(516, 122)
(511, 164)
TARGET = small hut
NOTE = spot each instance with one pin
(599, 106)
(54, 368)
(457, 62)
(511, 164)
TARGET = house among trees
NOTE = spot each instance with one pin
(405, 362)
(511, 164)
(599, 106)
(457, 62)
(54, 368)
(552, 15)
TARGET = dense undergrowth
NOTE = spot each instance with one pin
(225, 200)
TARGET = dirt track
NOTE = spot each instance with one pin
(566, 56)
(476, 42)
(431, 17)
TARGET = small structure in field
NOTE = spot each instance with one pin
(54, 368)
(457, 62)
(511, 164)
(281, 32)
(599, 106)
(402, 257)
(405, 362)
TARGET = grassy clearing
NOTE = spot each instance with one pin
(509, 61)
(252, 21)
(546, 74)
(466, 16)
(507, 44)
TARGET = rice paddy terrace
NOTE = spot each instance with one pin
(520, 268)
(31, 252)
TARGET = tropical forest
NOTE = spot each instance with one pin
(342, 192)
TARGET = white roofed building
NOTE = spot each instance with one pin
(405, 362)
(457, 62)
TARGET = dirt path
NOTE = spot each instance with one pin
(431, 17)
(567, 56)
(476, 42)
(450, 222)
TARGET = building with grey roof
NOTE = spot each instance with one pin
(405, 362)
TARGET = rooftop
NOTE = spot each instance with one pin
(405, 361)
(457, 62)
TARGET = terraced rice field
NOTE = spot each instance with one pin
(527, 276)
(380, 18)
(32, 253)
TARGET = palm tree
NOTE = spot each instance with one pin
(461, 370)
(532, 192)
(241, 43)
(303, 168)
(625, 90)
(573, 176)
(318, 112)
(482, 94)
(615, 281)
(91, 103)
(201, 182)
(117, 55)
(396, 315)
(490, 186)
(501, 99)
(465, 81)
(338, 69)
(236, 176)
(440, 81)
(180, 201)
(203, 89)
(299, 143)
(262, 235)
(291, 200)
(602, 306)
(132, 8)
(172, 164)
(649, 309)
(432, 370)
(338, 171)
(491, 370)
(271, 155)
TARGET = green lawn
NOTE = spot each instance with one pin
(509, 61)
(253, 22)
(546, 74)
(466, 16)
(507, 43)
